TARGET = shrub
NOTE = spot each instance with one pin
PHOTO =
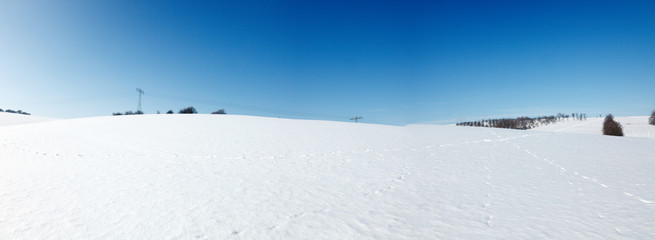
(127, 113)
(651, 120)
(15, 111)
(188, 110)
(611, 127)
(169, 112)
(219, 111)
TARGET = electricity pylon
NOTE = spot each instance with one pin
(356, 118)
(138, 109)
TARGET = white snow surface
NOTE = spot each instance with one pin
(15, 118)
(632, 126)
(241, 177)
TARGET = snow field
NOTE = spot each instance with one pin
(632, 126)
(239, 177)
(7, 119)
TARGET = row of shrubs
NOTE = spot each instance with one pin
(127, 113)
(17, 111)
(187, 110)
(511, 123)
(610, 126)
(523, 123)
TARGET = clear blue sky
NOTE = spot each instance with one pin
(390, 62)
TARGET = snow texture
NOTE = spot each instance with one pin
(241, 177)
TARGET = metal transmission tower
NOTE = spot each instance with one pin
(138, 109)
(356, 118)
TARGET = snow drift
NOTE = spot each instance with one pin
(240, 177)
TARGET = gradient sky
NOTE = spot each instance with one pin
(391, 62)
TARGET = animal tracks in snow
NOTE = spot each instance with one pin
(582, 177)
(490, 187)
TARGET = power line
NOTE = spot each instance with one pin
(251, 107)
(122, 95)
(80, 99)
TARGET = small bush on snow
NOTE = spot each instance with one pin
(611, 127)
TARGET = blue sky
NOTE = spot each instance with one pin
(390, 62)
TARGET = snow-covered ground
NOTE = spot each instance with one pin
(240, 177)
(632, 126)
(15, 118)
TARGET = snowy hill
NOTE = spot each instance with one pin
(240, 177)
(15, 118)
(632, 126)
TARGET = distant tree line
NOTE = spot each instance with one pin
(127, 113)
(187, 110)
(17, 111)
(523, 123)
